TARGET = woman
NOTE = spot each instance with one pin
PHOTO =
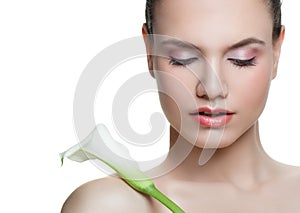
(225, 55)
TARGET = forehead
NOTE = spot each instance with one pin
(217, 22)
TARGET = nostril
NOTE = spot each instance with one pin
(210, 91)
(201, 92)
(204, 96)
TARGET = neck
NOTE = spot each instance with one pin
(243, 163)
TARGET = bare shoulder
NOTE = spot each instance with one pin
(292, 173)
(106, 195)
(289, 181)
(288, 190)
(295, 177)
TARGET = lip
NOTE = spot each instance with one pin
(213, 118)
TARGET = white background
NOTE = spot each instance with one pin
(44, 47)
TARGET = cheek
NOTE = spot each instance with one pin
(252, 91)
(248, 96)
(176, 93)
(175, 96)
(171, 110)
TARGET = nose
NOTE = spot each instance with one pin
(211, 85)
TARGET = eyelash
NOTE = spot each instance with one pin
(243, 63)
(181, 62)
(237, 62)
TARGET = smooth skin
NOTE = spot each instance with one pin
(240, 177)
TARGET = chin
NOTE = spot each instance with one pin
(219, 145)
(216, 140)
(209, 138)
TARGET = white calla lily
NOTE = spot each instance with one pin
(100, 145)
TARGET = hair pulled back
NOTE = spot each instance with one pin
(274, 7)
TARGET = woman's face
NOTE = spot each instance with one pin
(215, 66)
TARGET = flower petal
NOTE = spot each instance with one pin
(100, 145)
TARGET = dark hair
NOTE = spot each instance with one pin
(274, 6)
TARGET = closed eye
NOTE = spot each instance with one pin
(181, 62)
(243, 63)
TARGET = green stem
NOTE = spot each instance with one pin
(146, 186)
(154, 192)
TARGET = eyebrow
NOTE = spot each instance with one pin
(179, 43)
(246, 42)
(242, 43)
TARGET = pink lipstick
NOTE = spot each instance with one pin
(213, 118)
